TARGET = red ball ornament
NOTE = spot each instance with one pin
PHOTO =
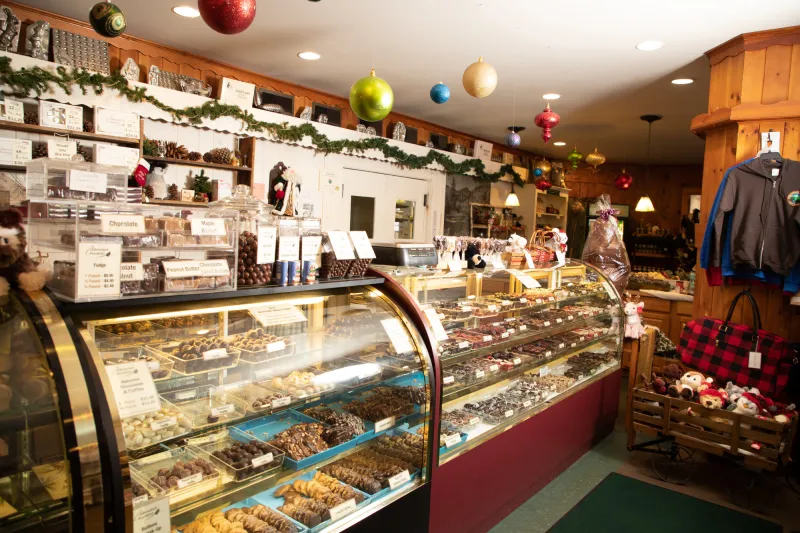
(623, 181)
(547, 120)
(227, 16)
(543, 184)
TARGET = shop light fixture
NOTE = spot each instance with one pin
(649, 46)
(682, 81)
(645, 205)
(551, 96)
(559, 143)
(309, 56)
(186, 11)
(512, 200)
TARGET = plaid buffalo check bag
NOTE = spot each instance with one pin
(747, 356)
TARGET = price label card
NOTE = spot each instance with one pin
(504, 335)
(448, 380)
(523, 328)
(82, 180)
(491, 307)
(523, 300)
(561, 345)
(98, 269)
(397, 335)
(581, 338)
(526, 404)
(281, 402)
(509, 414)
(436, 324)
(517, 361)
(343, 509)
(276, 346)
(511, 331)
(222, 410)
(452, 440)
(466, 308)
(487, 338)
(191, 480)
(120, 156)
(570, 317)
(122, 224)
(266, 244)
(479, 374)
(153, 366)
(528, 259)
(547, 323)
(494, 368)
(214, 267)
(754, 360)
(498, 264)
(463, 345)
(139, 500)
(15, 151)
(454, 265)
(263, 460)
(117, 123)
(164, 423)
(399, 480)
(211, 355)
(539, 301)
(362, 245)
(548, 353)
(134, 389)
(152, 516)
(310, 247)
(289, 249)
(505, 302)
(474, 420)
(62, 150)
(278, 315)
(383, 425)
(559, 321)
(186, 395)
(208, 226)
(13, 111)
(573, 344)
(341, 245)
(527, 281)
(131, 272)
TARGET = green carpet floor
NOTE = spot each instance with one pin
(625, 505)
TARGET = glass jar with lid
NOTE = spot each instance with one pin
(257, 237)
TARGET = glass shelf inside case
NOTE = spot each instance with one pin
(287, 410)
(511, 343)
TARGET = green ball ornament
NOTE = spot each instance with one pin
(371, 98)
(107, 19)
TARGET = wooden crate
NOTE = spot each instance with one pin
(762, 444)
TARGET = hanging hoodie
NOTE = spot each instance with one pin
(765, 221)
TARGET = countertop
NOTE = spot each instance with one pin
(664, 295)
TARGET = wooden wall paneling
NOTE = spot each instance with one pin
(735, 80)
(791, 143)
(169, 66)
(713, 96)
(794, 74)
(113, 58)
(146, 61)
(720, 97)
(749, 140)
(777, 66)
(753, 78)
(188, 70)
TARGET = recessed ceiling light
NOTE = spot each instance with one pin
(186, 11)
(559, 143)
(682, 81)
(648, 46)
(309, 56)
(551, 96)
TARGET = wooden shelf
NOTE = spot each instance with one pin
(33, 128)
(556, 215)
(480, 225)
(177, 203)
(200, 164)
(13, 168)
(650, 254)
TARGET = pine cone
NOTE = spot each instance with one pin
(195, 156)
(86, 152)
(31, 117)
(177, 151)
(173, 193)
(39, 150)
(88, 126)
(207, 157)
(149, 192)
(220, 156)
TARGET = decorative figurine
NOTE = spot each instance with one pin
(156, 180)
(153, 75)
(371, 131)
(322, 118)
(37, 40)
(429, 144)
(193, 86)
(399, 132)
(16, 268)
(305, 114)
(361, 128)
(557, 174)
(130, 71)
(9, 30)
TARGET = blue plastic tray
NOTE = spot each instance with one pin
(337, 405)
(267, 427)
(250, 502)
(269, 499)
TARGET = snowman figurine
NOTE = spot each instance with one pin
(156, 180)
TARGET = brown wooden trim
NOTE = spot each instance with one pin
(786, 110)
(753, 41)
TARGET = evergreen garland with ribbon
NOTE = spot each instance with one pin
(25, 82)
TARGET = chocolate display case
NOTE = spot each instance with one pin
(282, 408)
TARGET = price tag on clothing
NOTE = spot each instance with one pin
(755, 360)
(399, 480)
(397, 335)
(436, 324)
(451, 440)
(343, 509)
(152, 516)
(134, 390)
(264, 459)
(383, 425)
(362, 245)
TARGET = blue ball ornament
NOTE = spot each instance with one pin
(512, 139)
(440, 93)
(537, 172)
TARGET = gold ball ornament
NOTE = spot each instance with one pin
(371, 98)
(480, 79)
(544, 166)
(595, 159)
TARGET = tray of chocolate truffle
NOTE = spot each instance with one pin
(468, 372)
(257, 346)
(178, 472)
(185, 327)
(203, 407)
(299, 384)
(587, 364)
(126, 334)
(460, 419)
(198, 355)
(453, 311)
(314, 499)
(246, 516)
(449, 437)
(255, 398)
(384, 407)
(160, 367)
(238, 455)
(303, 439)
(148, 429)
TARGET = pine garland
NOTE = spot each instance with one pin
(27, 82)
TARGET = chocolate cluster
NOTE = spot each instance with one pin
(255, 340)
(333, 268)
(301, 440)
(240, 456)
(167, 478)
(194, 349)
(495, 409)
(249, 271)
(384, 402)
(358, 268)
(343, 427)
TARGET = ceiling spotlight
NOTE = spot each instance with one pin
(309, 56)
(559, 143)
(186, 11)
(682, 81)
(649, 46)
(551, 96)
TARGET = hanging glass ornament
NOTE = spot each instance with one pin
(595, 159)
(440, 93)
(371, 98)
(574, 157)
(543, 184)
(107, 19)
(543, 165)
(547, 120)
(537, 172)
(623, 181)
(227, 16)
(480, 79)
(513, 139)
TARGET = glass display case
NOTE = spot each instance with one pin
(296, 409)
(511, 343)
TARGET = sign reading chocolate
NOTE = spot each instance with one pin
(131, 272)
(122, 224)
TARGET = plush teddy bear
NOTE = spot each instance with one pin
(714, 399)
(690, 384)
(657, 385)
(672, 372)
(473, 257)
(16, 268)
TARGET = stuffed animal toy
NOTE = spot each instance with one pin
(747, 404)
(691, 384)
(672, 372)
(734, 391)
(633, 322)
(474, 259)
(157, 180)
(16, 268)
(657, 385)
(517, 241)
(714, 399)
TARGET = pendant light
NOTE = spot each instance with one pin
(512, 200)
(645, 205)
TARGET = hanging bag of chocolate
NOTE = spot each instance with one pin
(604, 248)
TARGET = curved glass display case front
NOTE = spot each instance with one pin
(288, 412)
(511, 343)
